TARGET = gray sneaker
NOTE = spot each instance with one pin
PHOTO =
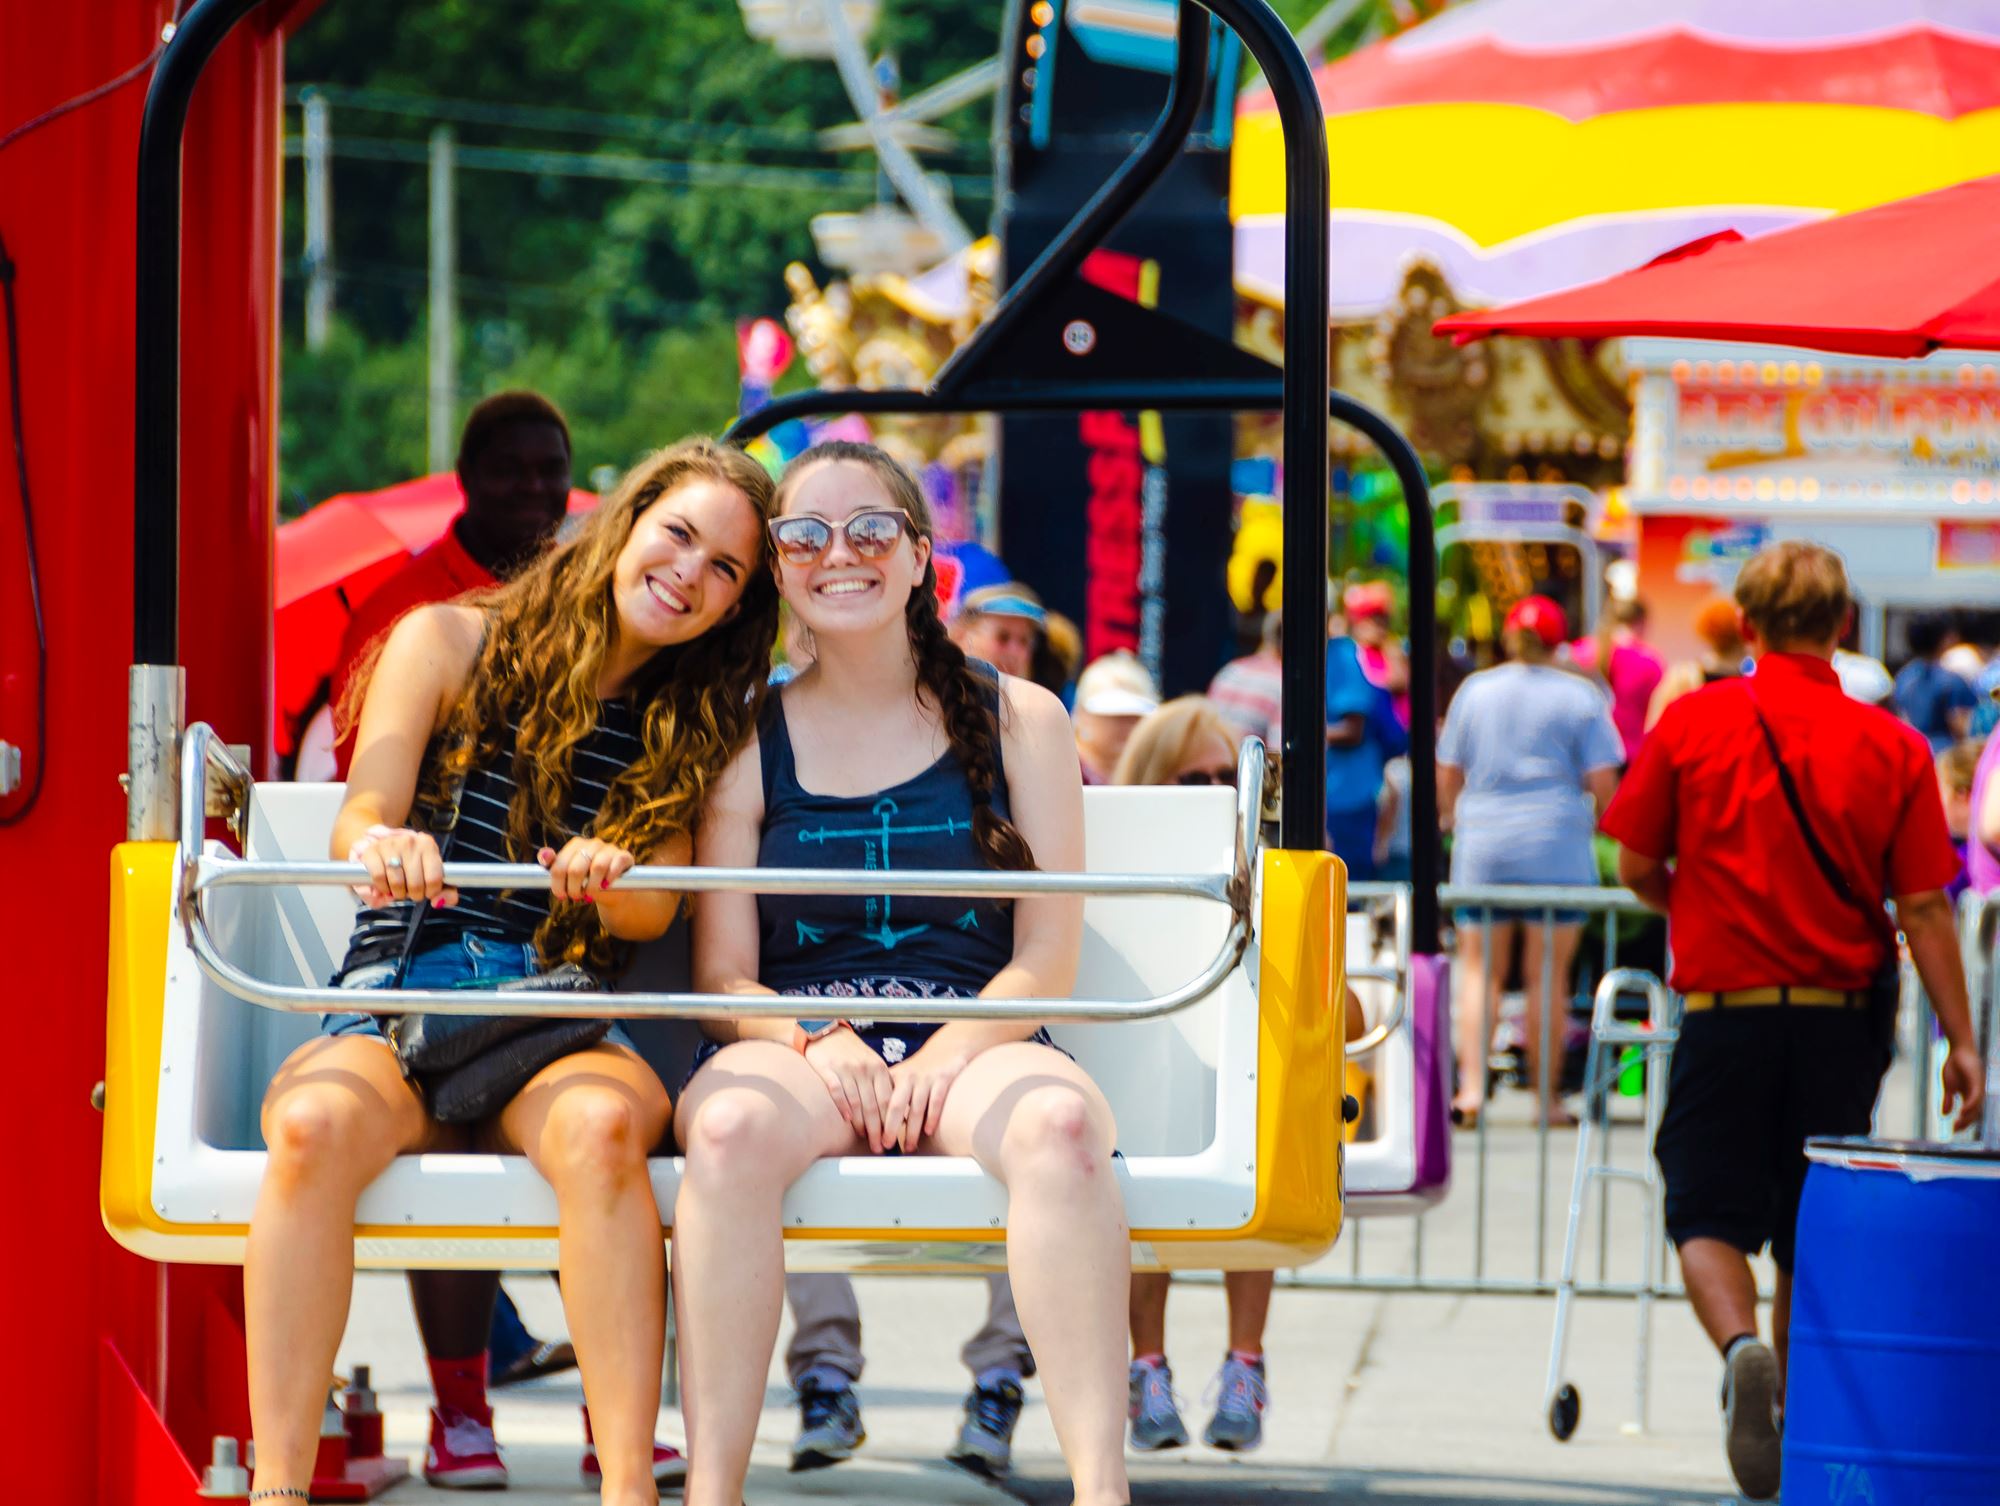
(1749, 1393)
(829, 1426)
(1156, 1421)
(986, 1441)
(1241, 1396)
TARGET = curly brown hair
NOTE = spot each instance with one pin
(547, 632)
(945, 678)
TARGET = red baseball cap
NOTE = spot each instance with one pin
(1540, 616)
(1370, 599)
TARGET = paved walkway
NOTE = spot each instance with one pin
(1426, 1399)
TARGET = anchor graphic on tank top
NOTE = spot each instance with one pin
(875, 843)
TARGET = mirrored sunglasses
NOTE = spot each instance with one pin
(872, 535)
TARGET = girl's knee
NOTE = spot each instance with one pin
(733, 1133)
(315, 1134)
(595, 1133)
(1055, 1126)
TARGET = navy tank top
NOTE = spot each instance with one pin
(875, 946)
(611, 747)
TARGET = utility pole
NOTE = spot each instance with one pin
(444, 305)
(319, 219)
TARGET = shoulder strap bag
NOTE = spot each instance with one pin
(469, 1067)
(1885, 988)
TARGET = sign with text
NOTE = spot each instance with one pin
(1792, 434)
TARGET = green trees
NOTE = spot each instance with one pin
(616, 294)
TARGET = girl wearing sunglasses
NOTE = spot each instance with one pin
(894, 751)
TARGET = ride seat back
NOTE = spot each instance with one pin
(1184, 1087)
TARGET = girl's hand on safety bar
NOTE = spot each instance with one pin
(584, 868)
(401, 864)
(858, 1080)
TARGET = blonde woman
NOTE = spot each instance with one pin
(577, 716)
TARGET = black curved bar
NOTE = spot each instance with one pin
(1304, 383)
(1425, 857)
(1111, 203)
(156, 451)
(1307, 381)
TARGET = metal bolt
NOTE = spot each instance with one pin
(97, 1097)
(167, 31)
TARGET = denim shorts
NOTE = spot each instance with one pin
(1467, 918)
(458, 963)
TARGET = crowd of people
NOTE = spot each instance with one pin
(710, 667)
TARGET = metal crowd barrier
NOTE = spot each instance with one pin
(1464, 1219)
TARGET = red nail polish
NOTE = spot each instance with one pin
(605, 885)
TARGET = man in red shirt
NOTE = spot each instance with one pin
(1769, 816)
(514, 466)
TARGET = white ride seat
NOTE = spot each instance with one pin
(1185, 1087)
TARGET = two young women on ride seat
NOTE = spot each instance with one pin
(600, 710)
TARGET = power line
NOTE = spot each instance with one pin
(683, 172)
(570, 122)
(384, 274)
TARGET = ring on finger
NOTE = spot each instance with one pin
(392, 861)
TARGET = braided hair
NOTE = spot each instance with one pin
(946, 680)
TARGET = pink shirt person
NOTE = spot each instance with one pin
(1633, 673)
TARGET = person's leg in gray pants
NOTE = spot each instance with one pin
(826, 1326)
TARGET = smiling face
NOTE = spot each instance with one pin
(841, 593)
(684, 566)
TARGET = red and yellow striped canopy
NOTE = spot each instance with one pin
(1529, 145)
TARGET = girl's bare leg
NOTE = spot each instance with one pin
(1469, 1010)
(1560, 941)
(1034, 1120)
(335, 1116)
(1249, 1307)
(751, 1122)
(1149, 1311)
(587, 1124)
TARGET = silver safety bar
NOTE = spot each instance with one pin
(1397, 973)
(201, 871)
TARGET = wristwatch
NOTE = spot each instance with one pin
(805, 1032)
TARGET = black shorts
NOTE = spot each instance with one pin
(1748, 1087)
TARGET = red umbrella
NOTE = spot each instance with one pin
(332, 558)
(1902, 279)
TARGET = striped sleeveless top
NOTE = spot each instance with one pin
(481, 837)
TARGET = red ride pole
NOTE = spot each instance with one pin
(115, 1359)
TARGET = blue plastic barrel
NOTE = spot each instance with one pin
(1893, 1393)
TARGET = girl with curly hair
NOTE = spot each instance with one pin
(892, 750)
(578, 716)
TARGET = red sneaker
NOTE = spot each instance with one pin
(462, 1454)
(670, 1466)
